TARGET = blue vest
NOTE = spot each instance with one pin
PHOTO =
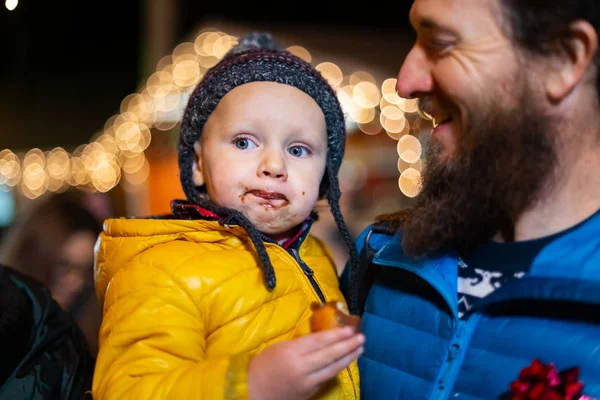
(418, 348)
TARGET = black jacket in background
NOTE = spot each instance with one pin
(43, 354)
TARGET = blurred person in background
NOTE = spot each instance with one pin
(53, 242)
(44, 354)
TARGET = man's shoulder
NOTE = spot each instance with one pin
(376, 236)
(384, 247)
(573, 255)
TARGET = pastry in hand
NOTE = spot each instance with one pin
(330, 315)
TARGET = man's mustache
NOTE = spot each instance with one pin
(425, 107)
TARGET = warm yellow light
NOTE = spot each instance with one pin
(361, 76)
(208, 61)
(186, 73)
(409, 149)
(409, 182)
(222, 45)
(140, 176)
(422, 113)
(142, 105)
(165, 125)
(10, 168)
(331, 72)
(209, 42)
(393, 112)
(167, 103)
(345, 97)
(408, 105)
(402, 165)
(79, 175)
(388, 90)
(34, 156)
(199, 44)
(34, 176)
(362, 115)
(164, 62)
(11, 4)
(58, 164)
(394, 134)
(109, 143)
(117, 151)
(133, 164)
(32, 193)
(184, 51)
(418, 165)
(159, 84)
(301, 52)
(371, 128)
(384, 103)
(366, 94)
(394, 127)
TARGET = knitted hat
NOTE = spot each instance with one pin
(257, 58)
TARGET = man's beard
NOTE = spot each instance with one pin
(502, 166)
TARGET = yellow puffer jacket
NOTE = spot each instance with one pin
(185, 308)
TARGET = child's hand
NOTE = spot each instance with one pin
(295, 369)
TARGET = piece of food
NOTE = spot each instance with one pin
(330, 315)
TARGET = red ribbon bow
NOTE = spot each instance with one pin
(543, 382)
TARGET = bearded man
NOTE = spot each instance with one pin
(497, 263)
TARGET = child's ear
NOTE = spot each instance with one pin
(197, 175)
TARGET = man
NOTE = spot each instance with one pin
(498, 262)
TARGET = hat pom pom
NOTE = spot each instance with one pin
(254, 41)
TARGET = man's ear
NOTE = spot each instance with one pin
(574, 62)
(197, 175)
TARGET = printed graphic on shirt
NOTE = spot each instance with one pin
(475, 284)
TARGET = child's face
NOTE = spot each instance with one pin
(263, 152)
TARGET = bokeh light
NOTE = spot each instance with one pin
(115, 153)
(409, 182)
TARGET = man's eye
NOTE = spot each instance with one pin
(438, 45)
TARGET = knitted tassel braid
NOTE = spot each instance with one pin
(230, 214)
(333, 198)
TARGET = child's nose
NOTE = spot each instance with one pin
(273, 166)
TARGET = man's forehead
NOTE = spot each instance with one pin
(453, 14)
(428, 14)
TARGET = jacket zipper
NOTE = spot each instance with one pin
(310, 274)
(443, 387)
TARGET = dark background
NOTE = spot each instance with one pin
(66, 65)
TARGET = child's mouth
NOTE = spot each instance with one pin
(268, 195)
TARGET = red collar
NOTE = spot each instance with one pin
(182, 209)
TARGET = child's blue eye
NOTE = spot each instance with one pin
(298, 151)
(244, 144)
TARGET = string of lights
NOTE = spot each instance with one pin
(116, 155)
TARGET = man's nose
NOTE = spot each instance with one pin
(414, 77)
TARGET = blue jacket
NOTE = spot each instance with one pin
(418, 348)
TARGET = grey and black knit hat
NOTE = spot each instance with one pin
(258, 58)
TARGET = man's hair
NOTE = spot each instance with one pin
(541, 26)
